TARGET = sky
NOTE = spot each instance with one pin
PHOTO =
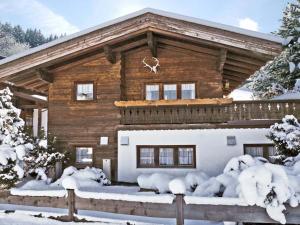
(69, 16)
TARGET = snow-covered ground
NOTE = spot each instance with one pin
(24, 216)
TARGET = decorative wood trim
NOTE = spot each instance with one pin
(204, 101)
(156, 156)
(152, 43)
(109, 54)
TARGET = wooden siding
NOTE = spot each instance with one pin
(175, 67)
(80, 123)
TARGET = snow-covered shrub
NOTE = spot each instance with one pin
(286, 137)
(87, 177)
(156, 181)
(43, 155)
(193, 179)
(177, 186)
(13, 141)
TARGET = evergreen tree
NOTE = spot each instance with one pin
(13, 141)
(279, 75)
(43, 156)
(286, 137)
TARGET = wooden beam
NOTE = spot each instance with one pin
(21, 89)
(189, 46)
(238, 69)
(204, 101)
(44, 75)
(236, 74)
(249, 60)
(242, 64)
(109, 54)
(29, 97)
(152, 43)
(221, 60)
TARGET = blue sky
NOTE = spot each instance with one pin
(69, 16)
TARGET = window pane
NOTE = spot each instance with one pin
(185, 156)
(85, 92)
(147, 156)
(255, 151)
(152, 92)
(170, 91)
(84, 154)
(188, 91)
(166, 156)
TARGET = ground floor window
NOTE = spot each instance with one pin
(163, 156)
(260, 150)
(84, 154)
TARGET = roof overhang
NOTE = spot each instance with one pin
(240, 51)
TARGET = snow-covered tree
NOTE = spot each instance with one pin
(9, 45)
(279, 75)
(13, 141)
(286, 137)
(43, 156)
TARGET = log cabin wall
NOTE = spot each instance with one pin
(176, 66)
(83, 123)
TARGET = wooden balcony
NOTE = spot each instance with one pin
(204, 111)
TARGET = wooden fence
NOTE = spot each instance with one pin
(212, 113)
(178, 209)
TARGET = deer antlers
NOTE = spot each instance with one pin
(152, 68)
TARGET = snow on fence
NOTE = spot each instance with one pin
(183, 207)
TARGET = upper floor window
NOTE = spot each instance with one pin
(170, 91)
(260, 150)
(152, 92)
(84, 91)
(188, 91)
(84, 154)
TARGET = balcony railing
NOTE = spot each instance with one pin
(223, 112)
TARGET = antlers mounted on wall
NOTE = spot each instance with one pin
(152, 68)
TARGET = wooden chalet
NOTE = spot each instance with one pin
(147, 92)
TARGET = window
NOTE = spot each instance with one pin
(170, 91)
(84, 154)
(163, 156)
(85, 91)
(152, 92)
(166, 156)
(188, 91)
(147, 156)
(260, 150)
(185, 155)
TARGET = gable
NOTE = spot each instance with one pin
(239, 53)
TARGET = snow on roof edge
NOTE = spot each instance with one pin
(255, 34)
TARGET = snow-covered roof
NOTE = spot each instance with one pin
(255, 34)
(289, 95)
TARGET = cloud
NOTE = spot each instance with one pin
(248, 24)
(38, 16)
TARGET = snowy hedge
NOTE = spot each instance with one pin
(253, 180)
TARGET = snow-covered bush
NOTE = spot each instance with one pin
(87, 177)
(43, 155)
(286, 137)
(13, 141)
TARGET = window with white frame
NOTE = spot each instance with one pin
(166, 156)
(185, 156)
(147, 156)
(152, 92)
(170, 91)
(188, 91)
(84, 91)
(84, 154)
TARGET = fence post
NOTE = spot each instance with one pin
(179, 209)
(71, 204)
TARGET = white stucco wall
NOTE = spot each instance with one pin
(212, 152)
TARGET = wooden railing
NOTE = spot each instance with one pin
(178, 209)
(211, 113)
